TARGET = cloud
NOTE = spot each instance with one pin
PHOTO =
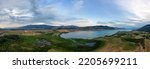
(138, 10)
(14, 9)
(23, 12)
(77, 22)
(25, 4)
(78, 4)
(27, 12)
(17, 13)
(10, 25)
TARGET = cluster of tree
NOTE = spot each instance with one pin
(7, 40)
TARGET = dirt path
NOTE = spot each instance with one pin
(141, 48)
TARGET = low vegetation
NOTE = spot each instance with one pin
(50, 41)
(46, 41)
(125, 42)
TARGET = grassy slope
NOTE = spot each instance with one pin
(113, 44)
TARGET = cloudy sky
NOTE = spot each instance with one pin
(118, 13)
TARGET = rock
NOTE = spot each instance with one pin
(90, 44)
(42, 43)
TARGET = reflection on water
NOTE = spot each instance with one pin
(89, 34)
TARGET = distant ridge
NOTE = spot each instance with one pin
(145, 28)
(99, 28)
(36, 27)
(70, 27)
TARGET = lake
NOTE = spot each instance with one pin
(89, 34)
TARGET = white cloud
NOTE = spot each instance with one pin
(78, 4)
(10, 25)
(139, 10)
(79, 22)
(17, 12)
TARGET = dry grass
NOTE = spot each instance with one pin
(111, 45)
(117, 45)
(147, 45)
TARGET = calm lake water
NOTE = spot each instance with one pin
(89, 34)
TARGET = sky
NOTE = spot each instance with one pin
(115, 13)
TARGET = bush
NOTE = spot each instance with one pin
(132, 40)
(129, 46)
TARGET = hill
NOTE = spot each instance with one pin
(70, 27)
(36, 27)
(98, 28)
(145, 28)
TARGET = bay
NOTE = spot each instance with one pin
(90, 34)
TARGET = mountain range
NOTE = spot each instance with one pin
(145, 28)
(70, 27)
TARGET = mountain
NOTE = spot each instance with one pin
(145, 28)
(36, 27)
(98, 28)
(28, 27)
(67, 27)
(70, 27)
